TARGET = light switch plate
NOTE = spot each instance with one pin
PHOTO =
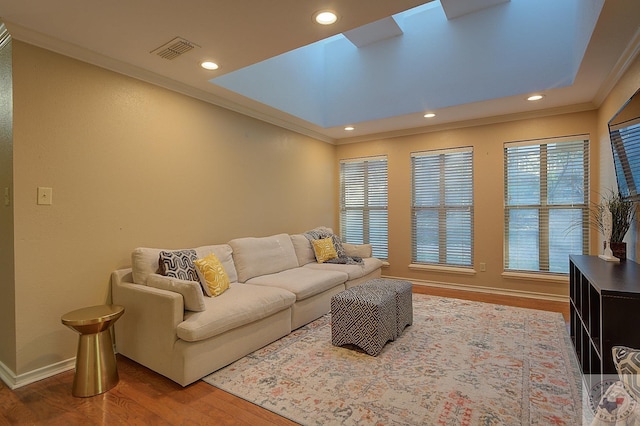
(45, 196)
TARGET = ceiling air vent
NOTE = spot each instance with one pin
(176, 47)
(5, 37)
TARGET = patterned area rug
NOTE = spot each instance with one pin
(460, 363)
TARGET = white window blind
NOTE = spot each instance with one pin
(625, 140)
(442, 207)
(363, 203)
(546, 204)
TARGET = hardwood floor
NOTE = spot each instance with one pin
(144, 397)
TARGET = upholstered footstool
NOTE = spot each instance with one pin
(402, 291)
(362, 317)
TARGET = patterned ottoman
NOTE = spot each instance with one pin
(364, 318)
(403, 296)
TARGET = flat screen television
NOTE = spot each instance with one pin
(624, 131)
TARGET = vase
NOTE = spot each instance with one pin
(619, 250)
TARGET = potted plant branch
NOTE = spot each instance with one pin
(623, 213)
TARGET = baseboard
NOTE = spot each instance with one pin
(488, 290)
(14, 381)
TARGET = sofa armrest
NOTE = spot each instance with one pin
(146, 332)
(359, 250)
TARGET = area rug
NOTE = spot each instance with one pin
(460, 363)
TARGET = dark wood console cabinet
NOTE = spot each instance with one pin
(604, 310)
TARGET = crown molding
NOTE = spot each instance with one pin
(624, 62)
(587, 106)
(74, 51)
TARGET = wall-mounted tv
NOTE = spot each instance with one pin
(624, 130)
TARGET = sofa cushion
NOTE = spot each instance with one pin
(353, 271)
(190, 290)
(144, 261)
(212, 275)
(255, 256)
(304, 251)
(358, 250)
(241, 304)
(179, 264)
(324, 249)
(303, 282)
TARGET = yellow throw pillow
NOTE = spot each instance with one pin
(213, 277)
(324, 249)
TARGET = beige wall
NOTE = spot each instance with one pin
(132, 164)
(626, 87)
(487, 142)
(7, 290)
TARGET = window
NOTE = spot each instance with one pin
(546, 204)
(363, 203)
(442, 207)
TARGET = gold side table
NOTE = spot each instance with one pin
(96, 370)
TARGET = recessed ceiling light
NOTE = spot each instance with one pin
(429, 115)
(535, 97)
(325, 17)
(208, 65)
(349, 128)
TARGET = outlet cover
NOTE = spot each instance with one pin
(45, 196)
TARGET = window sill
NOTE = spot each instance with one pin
(556, 278)
(443, 269)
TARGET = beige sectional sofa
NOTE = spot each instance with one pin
(276, 287)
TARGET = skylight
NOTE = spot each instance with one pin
(419, 60)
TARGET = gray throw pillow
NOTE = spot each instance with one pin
(179, 264)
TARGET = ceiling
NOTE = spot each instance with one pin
(469, 61)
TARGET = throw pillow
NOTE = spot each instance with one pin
(324, 249)
(212, 275)
(179, 264)
(190, 290)
(627, 362)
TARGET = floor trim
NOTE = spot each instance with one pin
(14, 381)
(487, 290)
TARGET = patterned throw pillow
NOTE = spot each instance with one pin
(213, 277)
(627, 362)
(179, 264)
(324, 249)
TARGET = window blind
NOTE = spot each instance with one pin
(363, 203)
(442, 207)
(546, 204)
(625, 140)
